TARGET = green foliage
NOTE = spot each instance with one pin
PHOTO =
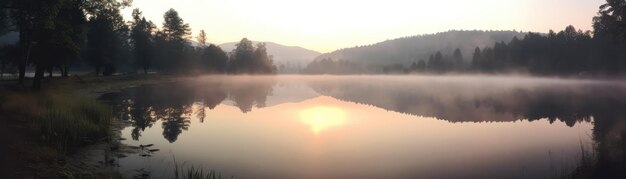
(611, 21)
(248, 59)
(107, 42)
(58, 35)
(172, 48)
(174, 28)
(141, 35)
(63, 120)
(214, 58)
(5, 25)
(569, 51)
(71, 121)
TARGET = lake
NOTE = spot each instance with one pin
(291, 126)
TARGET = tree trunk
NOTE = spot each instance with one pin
(22, 59)
(64, 71)
(2, 71)
(145, 70)
(22, 73)
(97, 70)
(25, 45)
(50, 72)
(39, 72)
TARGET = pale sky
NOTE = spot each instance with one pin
(327, 25)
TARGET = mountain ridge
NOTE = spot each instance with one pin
(408, 49)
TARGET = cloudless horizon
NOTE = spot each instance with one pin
(327, 25)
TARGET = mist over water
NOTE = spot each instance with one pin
(292, 126)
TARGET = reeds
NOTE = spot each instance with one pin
(69, 120)
(62, 119)
(194, 173)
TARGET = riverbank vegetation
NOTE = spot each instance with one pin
(92, 35)
(43, 129)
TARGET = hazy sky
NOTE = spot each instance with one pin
(327, 25)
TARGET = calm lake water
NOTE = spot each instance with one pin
(370, 126)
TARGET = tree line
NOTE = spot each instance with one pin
(567, 52)
(62, 34)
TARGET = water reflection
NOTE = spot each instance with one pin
(485, 100)
(174, 104)
(461, 99)
(473, 100)
(322, 117)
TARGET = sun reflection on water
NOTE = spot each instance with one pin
(320, 118)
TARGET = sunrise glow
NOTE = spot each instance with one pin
(322, 117)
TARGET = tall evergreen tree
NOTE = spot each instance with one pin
(175, 33)
(458, 59)
(174, 28)
(611, 20)
(476, 58)
(57, 33)
(107, 36)
(141, 37)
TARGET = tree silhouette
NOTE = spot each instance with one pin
(202, 38)
(141, 36)
(57, 33)
(245, 58)
(421, 65)
(458, 59)
(215, 59)
(106, 39)
(476, 58)
(263, 63)
(174, 28)
(610, 22)
(23, 13)
(5, 25)
(174, 35)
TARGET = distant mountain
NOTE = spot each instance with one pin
(411, 49)
(291, 58)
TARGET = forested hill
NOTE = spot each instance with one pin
(285, 57)
(411, 49)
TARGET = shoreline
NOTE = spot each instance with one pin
(28, 156)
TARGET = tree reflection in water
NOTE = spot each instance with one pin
(173, 104)
(454, 100)
(457, 100)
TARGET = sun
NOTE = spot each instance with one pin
(322, 117)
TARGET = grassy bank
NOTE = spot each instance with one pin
(42, 129)
(61, 120)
